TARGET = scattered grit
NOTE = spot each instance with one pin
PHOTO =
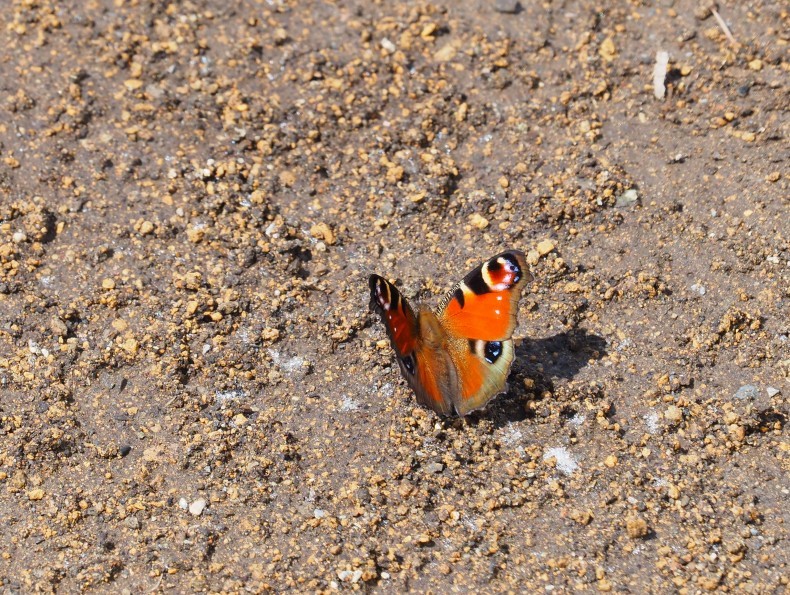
(194, 394)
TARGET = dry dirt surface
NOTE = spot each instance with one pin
(195, 396)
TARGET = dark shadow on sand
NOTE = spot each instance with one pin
(542, 361)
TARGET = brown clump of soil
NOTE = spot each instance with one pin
(195, 396)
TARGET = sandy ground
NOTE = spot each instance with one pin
(195, 396)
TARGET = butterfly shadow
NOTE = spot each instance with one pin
(538, 364)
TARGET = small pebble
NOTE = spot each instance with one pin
(388, 46)
(607, 50)
(660, 74)
(350, 576)
(58, 327)
(627, 198)
(322, 231)
(698, 288)
(673, 414)
(544, 247)
(446, 52)
(702, 11)
(434, 468)
(280, 36)
(478, 221)
(747, 391)
(636, 527)
(197, 507)
(507, 6)
(132, 522)
(386, 208)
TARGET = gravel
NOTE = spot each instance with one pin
(195, 396)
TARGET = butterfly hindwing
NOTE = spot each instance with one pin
(436, 378)
(484, 367)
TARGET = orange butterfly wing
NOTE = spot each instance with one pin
(482, 376)
(396, 314)
(424, 362)
(479, 317)
(484, 305)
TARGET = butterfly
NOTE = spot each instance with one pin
(457, 358)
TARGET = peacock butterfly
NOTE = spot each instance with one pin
(457, 358)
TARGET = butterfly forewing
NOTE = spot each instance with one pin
(397, 315)
(424, 363)
(485, 304)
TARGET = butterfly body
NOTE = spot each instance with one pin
(457, 357)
